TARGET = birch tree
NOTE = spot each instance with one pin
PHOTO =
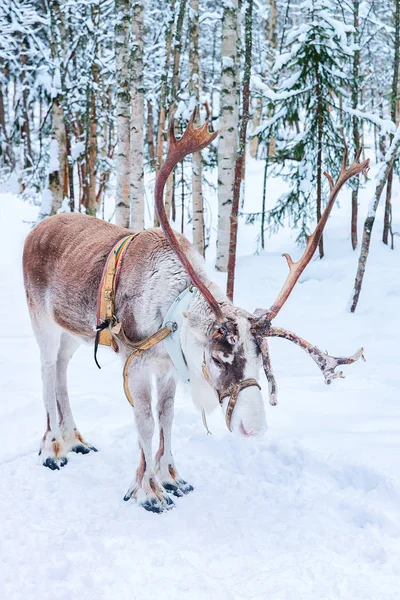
(228, 131)
(241, 151)
(137, 120)
(90, 200)
(355, 87)
(393, 113)
(122, 208)
(163, 94)
(58, 152)
(177, 53)
(194, 86)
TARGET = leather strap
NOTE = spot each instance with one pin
(107, 290)
(141, 347)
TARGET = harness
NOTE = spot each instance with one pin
(109, 330)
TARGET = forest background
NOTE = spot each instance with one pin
(88, 89)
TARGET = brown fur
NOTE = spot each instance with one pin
(63, 261)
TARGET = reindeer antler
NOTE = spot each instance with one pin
(296, 268)
(192, 140)
(261, 324)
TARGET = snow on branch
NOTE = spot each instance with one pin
(385, 125)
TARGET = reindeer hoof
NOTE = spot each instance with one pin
(184, 486)
(55, 463)
(156, 506)
(83, 449)
(171, 488)
(153, 503)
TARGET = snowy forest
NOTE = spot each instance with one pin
(88, 89)
(297, 90)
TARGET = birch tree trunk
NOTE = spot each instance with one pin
(242, 150)
(164, 93)
(393, 112)
(150, 138)
(58, 150)
(169, 191)
(90, 201)
(228, 128)
(6, 152)
(370, 220)
(319, 155)
(58, 156)
(197, 190)
(355, 120)
(137, 119)
(122, 210)
(271, 35)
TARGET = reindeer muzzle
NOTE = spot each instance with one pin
(233, 391)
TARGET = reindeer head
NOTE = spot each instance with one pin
(224, 344)
(224, 362)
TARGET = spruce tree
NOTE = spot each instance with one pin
(307, 124)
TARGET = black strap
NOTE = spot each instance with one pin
(99, 328)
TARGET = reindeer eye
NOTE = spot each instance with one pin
(217, 361)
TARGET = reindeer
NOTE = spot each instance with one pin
(222, 345)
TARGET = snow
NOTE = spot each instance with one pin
(228, 62)
(54, 163)
(46, 204)
(76, 150)
(385, 125)
(309, 512)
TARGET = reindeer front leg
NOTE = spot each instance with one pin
(146, 488)
(164, 462)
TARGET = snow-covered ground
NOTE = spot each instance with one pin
(309, 512)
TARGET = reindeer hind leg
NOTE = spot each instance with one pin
(48, 336)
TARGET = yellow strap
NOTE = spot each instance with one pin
(107, 292)
(141, 347)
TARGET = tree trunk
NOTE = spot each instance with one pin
(264, 193)
(241, 151)
(58, 150)
(26, 132)
(58, 156)
(6, 151)
(369, 221)
(137, 119)
(164, 93)
(150, 138)
(197, 190)
(174, 91)
(228, 127)
(387, 224)
(122, 210)
(91, 198)
(70, 169)
(272, 38)
(356, 122)
(319, 157)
